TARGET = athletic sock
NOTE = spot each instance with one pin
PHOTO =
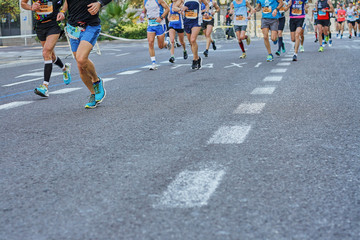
(280, 43)
(329, 35)
(316, 35)
(47, 71)
(241, 46)
(59, 63)
(153, 59)
(355, 34)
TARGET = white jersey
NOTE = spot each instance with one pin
(153, 11)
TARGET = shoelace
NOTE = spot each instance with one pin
(91, 98)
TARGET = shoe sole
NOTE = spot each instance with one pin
(40, 93)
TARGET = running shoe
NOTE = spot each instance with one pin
(341, 36)
(278, 53)
(321, 49)
(350, 36)
(66, 74)
(206, 53)
(294, 58)
(178, 44)
(199, 63)
(316, 40)
(243, 56)
(100, 91)
(172, 60)
(337, 35)
(194, 64)
(153, 66)
(248, 40)
(330, 43)
(92, 103)
(302, 48)
(275, 42)
(283, 48)
(42, 91)
(213, 45)
(269, 58)
(185, 54)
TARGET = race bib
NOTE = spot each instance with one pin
(45, 8)
(296, 11)
(208, 18)
(267, 9)
(191, 14)
(174, 18)
(73, 32)
(153, 22)
(240, 18)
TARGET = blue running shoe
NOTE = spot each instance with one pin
(99, 89)
(42, 91)
(275, 42)
(283, 48)
(92, 103)
(66, 74)
(269, 58)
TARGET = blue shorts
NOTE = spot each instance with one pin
(190, 24)
(90, 35)
(159, 29)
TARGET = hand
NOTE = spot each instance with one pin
(253, 11)
(142, 15)
(274, 13)
(93, 8)
(206, 14)
(183, 9)
(60, 16)
(158, 20)
(35, 6)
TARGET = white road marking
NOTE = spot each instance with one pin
(230, 135)
(16, 83)
(278, 70)
(263, 90)
(38, 74)
(235, 65)
(273, 79)
(129, 72)
(65, 90)
(14, 104)
(122, 54)
(35, 70)
(258, 64)
(286, 59)
(179, 65)
(148, 66)
(108, 79)
(191, 189)
(249, 108)
(283, 64)
(208, 65)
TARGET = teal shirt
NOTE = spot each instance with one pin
(268, 6)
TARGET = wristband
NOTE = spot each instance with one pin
(62, 11)
(101, 3)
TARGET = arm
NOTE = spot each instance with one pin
(232, 8)
(252, 10)
(34, 7)
(143, 13)
(166, 10)
(94, 8)
(61, 14)
(206, 6)
(217, 8)
(258, 7)
(276, 10)
(331, 6)
(288, 5)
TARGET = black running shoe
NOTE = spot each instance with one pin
(185, 54)
(213, 44)
(316, 40)
(294, 58)
(278, 53)
(194, 64)
(206, 53)
(199, 63)
(172, 60)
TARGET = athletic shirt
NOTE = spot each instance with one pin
(315, 14)
(297, 9)
(211, 10)
(322, 15)
(175, 19)
(268, 6)
(240, 11)
(350, 14)
(194, 11)
(341, 13)
(49, 10)
(282, 9)
(153, 11)
(78, 12)
(356, 14)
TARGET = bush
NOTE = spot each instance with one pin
(131, 31)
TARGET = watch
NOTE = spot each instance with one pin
(101, 4)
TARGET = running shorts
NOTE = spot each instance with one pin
(239, 28)
(271, 23)
(296, 23)
(206, 23)
(180, 30)
(90, 34)
(351, 22)
(190, 24)
(281, 24)
(158, 30)
(324, 23)
(43, 30)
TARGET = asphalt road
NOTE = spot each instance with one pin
(241, 149)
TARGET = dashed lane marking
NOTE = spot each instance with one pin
(258, 64)
(230, 135)
(129, 72)
(108, 79)
(191, 189)
(286, 59)
(65, 90)
(122, 54)
(26, 81)
(273, 79)
(249, 108)
(278, 70)
(283, 64)
(14, 104)
(38, 74)
(263, 91)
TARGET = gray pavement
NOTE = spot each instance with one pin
(241, 149)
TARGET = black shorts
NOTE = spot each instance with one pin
(281, 24)
(177, 30)
(351, 22)
(315, 22)
(358, 20)
(43, 30)
(205, 23)
(324, 23)
(340, 22)
(296, 23)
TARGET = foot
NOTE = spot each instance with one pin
(248, 40)
(330, 43)
(294, 58)
(178, 44)
(199, 63)
(321, 49)
(194, 64)
(185, 54)
(213, 45)
(349, 36)
(316, 40)
(66, 74)
(92, 103)
(243, 56)
(206, 53)
(275, 42)
(283, 48)
(269, 58)
(302, 49)
(42, 91)
(172, 60)
(278, 53)
(327, 39)
(153, 66)
(100, 91)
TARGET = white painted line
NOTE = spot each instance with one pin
(65, 90)
(122, 54)
(148, 66)
(273, 79)
(191, 189)
(38, 74)
(230, 135)
(38, 69)
(16, 83)
(129, 72)
(263, 90)
(108, 79)
(249, 108)
(286, 59)
(283, 64)
(278, 70)
(14, 104)
(258, 64)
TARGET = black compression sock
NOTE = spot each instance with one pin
(47, 70)
(59, 63)
(280, 43)
(329, 35)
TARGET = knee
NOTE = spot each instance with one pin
(242, 38)
(47, 53)
(81, 62)
(273, 38)
(193, 41)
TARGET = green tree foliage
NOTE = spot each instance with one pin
(9, 6)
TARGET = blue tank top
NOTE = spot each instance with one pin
(175, 19)
(297, 8)
(268, 6)
(240, 12)
(193, 12)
